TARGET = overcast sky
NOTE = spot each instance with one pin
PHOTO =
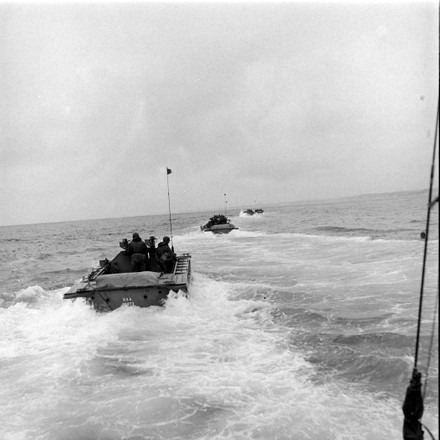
(267, 102)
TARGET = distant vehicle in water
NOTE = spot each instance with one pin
(114, 283)
(248, 211)
(218, 224)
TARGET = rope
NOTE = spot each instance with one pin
(429, 432)
(430, 204)
(414, 401)
(431, 343)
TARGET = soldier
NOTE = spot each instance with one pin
(165, 255)
(138, 251)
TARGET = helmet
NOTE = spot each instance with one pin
(166, 239)
(135, 235)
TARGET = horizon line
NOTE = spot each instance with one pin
(232, 207)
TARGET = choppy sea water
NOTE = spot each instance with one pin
(299, 325)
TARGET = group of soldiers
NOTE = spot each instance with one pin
(218, 219)
(146, 256)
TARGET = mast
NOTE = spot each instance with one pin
(226, 202)
(169, 208)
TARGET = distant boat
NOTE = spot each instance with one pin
(248, 211)
(218, 224)
(114, 283)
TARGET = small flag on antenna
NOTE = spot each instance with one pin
(168, 171)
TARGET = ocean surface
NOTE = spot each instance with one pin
(300, 325)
